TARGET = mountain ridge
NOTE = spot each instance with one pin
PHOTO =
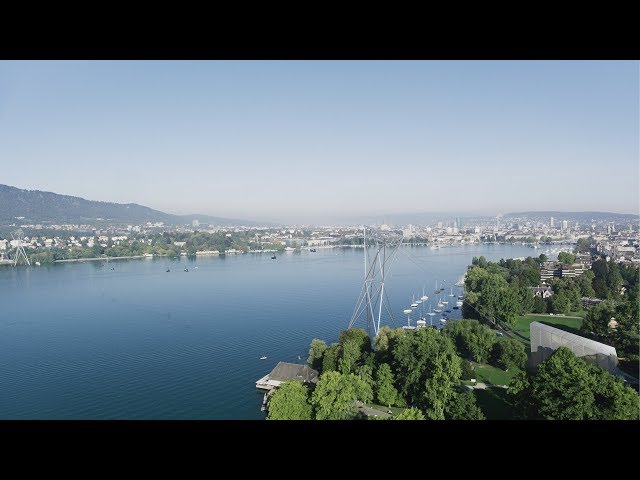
(41, 206)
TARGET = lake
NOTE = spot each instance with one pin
(83, 341)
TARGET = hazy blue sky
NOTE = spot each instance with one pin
(289, 140)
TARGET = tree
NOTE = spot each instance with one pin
(462, 406)
(467, 370)
(543, 258)
(583, 245)
(386, 392)
(562, 387)
(525, 299)
(472, 339)
(585, 283)
(290, 402)
(614, 280)
(330, 360)
(412, 413)
(613, 399)
(568, 388)
(508, 353)
(598, 317)
(427, 370)
(566, 258)
(384, 343)
(539, 305)
(363, 386)
(480, 262)
(334, 397)
(561, 303)
(316, 354)
(355, 343)
(520, 393)
(350, 354)
(357, 335)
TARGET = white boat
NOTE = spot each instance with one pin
(459, 303)
(451, 293)
(437, 310)
(263, 358)
(443, 320)
(423, 297)
(460, 282)
(407, 311)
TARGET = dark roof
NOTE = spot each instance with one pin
(284, 371)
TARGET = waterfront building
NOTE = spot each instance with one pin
(284, 372)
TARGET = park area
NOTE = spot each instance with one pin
(568, 323)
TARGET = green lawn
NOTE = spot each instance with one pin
(494, 403)
(570, 324)
(488, 374)
(382, 408)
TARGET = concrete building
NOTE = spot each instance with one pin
(548, 270)
(546, 339)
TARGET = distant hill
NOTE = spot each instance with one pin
(38, 206)
(578, 216)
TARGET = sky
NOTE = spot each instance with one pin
(323, 140)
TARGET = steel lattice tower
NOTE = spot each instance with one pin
(17, 236)
(384, 246)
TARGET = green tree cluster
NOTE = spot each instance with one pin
(568, 388)
(290, 402)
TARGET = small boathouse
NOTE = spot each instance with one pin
(284, 372)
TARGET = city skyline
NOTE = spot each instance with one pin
(322, 140)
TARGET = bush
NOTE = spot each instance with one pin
(467, 370)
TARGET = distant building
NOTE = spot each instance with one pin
(548, 270)
(195, 223)
(565, 225)
(551, 222)
(284, 372)
(543, 291)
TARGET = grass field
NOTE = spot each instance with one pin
(494, 403)
(489, 374)
(382, 408)
(570, 324)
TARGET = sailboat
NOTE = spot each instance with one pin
(413, 302)
(423, 297)
(436, 290)
(451, 294)
(460, 282)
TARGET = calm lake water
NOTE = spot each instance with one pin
(82, 341)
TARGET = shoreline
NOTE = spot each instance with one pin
(97, 258)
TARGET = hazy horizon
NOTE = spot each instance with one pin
(320, 140)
